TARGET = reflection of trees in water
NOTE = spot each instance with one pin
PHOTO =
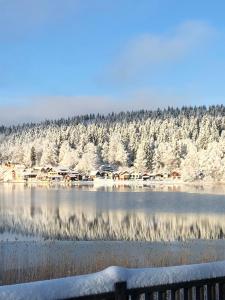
(117, 225)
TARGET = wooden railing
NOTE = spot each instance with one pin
(207, 289)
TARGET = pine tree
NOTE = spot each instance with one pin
(33, 156)
(140, 162)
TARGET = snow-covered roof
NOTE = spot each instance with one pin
(103, 282)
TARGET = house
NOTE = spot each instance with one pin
(135, 176)
(159, 176)
(73, 176)
(116, 176)
(95, 174)
(166, 175)
(63, 171)
(152, 176)
(54, 176)
(145, 176)
(106, 175)
(175, 175)
(124, 175)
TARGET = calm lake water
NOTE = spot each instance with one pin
(55, 231)
(79, 213)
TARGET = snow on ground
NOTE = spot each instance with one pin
(104, 281)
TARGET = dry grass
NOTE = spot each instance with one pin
(55, 261)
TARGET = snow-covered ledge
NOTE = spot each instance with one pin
(102, 282)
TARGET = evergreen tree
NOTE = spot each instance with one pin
(33, 156)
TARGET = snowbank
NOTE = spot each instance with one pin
(103, 281)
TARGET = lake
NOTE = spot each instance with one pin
(52, 231)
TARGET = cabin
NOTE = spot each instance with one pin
(42, 177)
(63, 171)
(124, 175)
(175, 175)
(152, 176)
(85, 178)
(73, 176)
(110, 175)
(54, 176)
(135, 176)
(29, 175)
(145, 176)
(95, 174)
(159, 176)
(166, 175)
(106, 175)
(116, 176)
(46, 169)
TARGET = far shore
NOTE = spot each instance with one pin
(167, 185)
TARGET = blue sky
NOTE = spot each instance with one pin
(67, 57)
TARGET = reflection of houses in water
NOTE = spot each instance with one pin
(58, 213)
(67, 220)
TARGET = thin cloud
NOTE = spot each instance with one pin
(36, 109)
(148, 51)
(20, 17)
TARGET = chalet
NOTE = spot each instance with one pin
(86, 177)
(95, 174)
(110, 175)
(73, 176)
(152, 176)
(145, 176)
(63, 171)
(116, 176)
(47, 169)
(106, 175)
(166, 175)
(135, 176)
(29, 175)
(124, 175)
(54, 176)
(42, 177)
(159, 176)
(175, 175)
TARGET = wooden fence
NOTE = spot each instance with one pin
(207, 289)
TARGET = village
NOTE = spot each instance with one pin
(13, 172)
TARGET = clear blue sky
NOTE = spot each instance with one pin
(66, 57)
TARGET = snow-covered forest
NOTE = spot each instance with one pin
(190, 140)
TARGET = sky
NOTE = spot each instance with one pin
(60, 58)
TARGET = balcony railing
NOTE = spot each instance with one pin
(207, 289)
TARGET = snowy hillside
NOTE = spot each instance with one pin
(191, 140)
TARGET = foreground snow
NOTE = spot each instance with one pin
(104, 281)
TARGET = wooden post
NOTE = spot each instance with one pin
(221, 291)
(198, 293)
(121, 290)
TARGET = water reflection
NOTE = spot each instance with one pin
(82, 213)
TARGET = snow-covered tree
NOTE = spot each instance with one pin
(89, 160)
(50, 154)
(140, 162)
(190, 140)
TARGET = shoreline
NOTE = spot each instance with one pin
(174, 185)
